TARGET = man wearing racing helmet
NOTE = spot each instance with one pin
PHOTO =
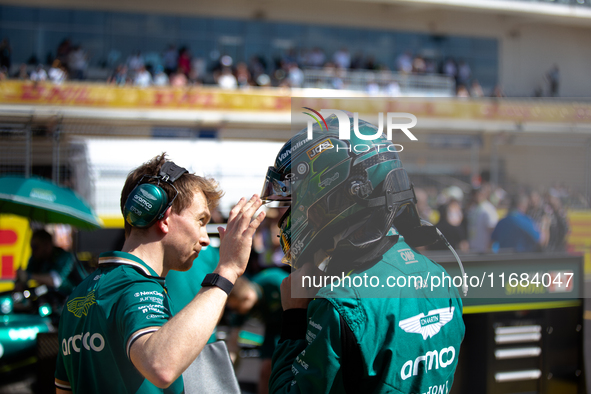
(353, 216)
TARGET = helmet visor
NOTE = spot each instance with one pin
(277, 186)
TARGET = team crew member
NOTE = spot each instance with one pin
(49, 265)
(351, 211)
(119, 332)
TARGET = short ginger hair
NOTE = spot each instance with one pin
(187, 185)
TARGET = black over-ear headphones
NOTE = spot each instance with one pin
(148, 202)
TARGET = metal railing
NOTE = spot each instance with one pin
(380, 82)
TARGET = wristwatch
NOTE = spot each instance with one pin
(219, 281)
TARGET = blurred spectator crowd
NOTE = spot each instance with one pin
(489, 219)
(177, 67)
(472, 221)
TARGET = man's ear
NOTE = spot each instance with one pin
(164, 223)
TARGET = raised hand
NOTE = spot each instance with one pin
(236, 239)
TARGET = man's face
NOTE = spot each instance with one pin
(187, 234)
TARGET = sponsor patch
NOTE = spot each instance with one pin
(88, 341)
(79, 305)
(432, 360)
(319, 148)
(287, 153)
(148, 195)
(408, 256)
(428, 326)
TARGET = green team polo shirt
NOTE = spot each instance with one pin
(114, 306)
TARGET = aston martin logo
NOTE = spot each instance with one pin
(79, 305)
(430, 325)
(148, 195)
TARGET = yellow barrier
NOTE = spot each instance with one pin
(97, 95)
(109, 96)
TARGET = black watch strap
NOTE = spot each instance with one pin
(219, 281)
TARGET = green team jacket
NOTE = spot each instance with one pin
(400, 340)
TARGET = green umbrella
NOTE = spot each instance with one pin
(42, 201)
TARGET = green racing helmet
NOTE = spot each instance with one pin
(344, 194)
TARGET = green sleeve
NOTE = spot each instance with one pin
(310, 364)
(142, 305)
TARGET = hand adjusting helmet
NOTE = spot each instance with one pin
(345, 195)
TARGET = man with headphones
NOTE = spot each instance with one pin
(119, 332)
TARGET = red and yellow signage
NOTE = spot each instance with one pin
(15, 237)
(256, 100)
(109, 96)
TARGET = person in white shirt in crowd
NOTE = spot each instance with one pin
(143, 78)
(78, 63)
(198, 69)
(227, 80)
(393, 89)
(56, 73)
(135, 62)
(295, 76)
(39, 74)
(160, 77)
(342, 58)
(372, 88)
(404, 63)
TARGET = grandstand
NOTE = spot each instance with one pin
(510, 43)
